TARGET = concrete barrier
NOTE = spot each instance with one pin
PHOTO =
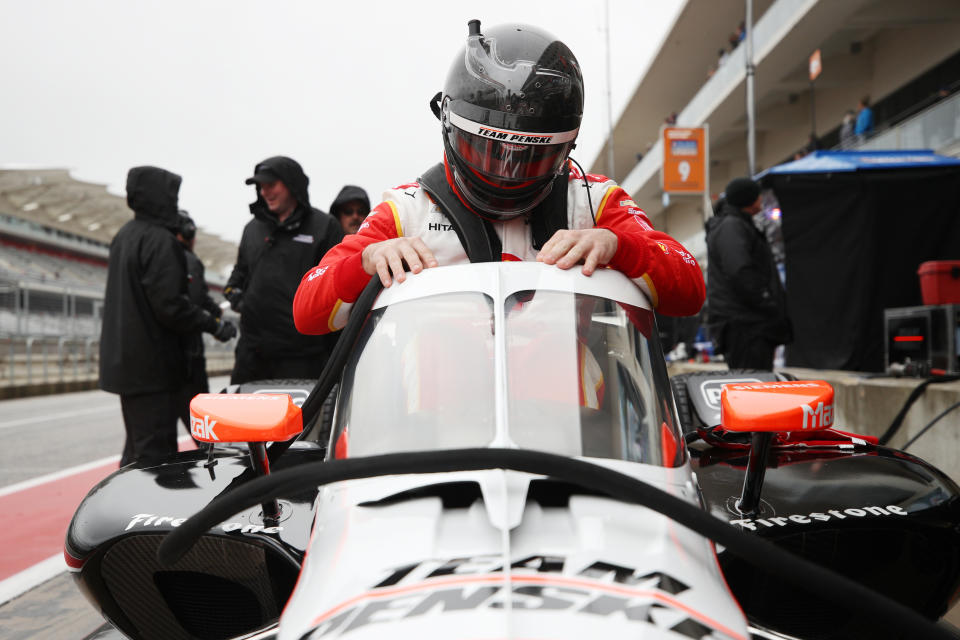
(868, 405)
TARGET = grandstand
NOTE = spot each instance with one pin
(49, 211)
(32, 263)
(55, 234)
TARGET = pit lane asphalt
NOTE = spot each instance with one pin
(46, 440)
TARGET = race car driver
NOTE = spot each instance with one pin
(510, 113)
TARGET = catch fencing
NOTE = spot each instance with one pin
(50, 339)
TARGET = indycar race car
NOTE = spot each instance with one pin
(506, 459)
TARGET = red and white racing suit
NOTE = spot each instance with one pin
(657, 263)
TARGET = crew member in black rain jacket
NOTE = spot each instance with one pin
(746, 303)
(351, 207)
(197, 380)
(146, 311)
(286, 238)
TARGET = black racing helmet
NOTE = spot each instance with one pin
(511, 110)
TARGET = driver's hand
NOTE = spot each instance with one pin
(591, 247)
(389, 256)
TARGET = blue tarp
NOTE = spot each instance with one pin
(842, 161)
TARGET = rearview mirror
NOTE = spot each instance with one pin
(795, 405)
(244, 417)
(764, 408)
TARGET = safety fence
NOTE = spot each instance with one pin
(50, 335)
(30, 308)
(29, 361)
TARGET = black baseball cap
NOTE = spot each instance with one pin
(261, 174)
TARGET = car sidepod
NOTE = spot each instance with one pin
(880, 516)
(234, 581)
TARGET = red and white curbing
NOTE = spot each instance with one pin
(19, 583)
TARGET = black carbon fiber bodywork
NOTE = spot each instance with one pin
(882, 517)
(235, 581)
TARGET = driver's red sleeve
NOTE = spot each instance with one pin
(671, 274)
(327, 291)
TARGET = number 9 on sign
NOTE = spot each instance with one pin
(685, 160)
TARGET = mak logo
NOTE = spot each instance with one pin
(202, 428)
(819, 418)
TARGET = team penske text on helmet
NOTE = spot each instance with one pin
(511, 111)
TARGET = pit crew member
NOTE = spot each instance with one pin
(284, 240)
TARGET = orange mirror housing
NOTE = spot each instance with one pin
(244, 417)
(796, 405)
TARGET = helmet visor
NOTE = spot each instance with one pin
(508, 159)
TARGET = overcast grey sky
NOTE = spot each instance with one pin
(207, 88)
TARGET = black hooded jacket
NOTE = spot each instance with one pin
(348, 193)
(146, 309)
(199, 294)
(743, 284)
(272, 259)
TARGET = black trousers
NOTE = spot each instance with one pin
(150, 420)
(745, 347)
(197, 383)
(252, 364)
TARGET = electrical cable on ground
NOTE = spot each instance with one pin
(916, 393)
(930, 424)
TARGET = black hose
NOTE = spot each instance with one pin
(930, 424)
(753, 549)
(916, 393)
